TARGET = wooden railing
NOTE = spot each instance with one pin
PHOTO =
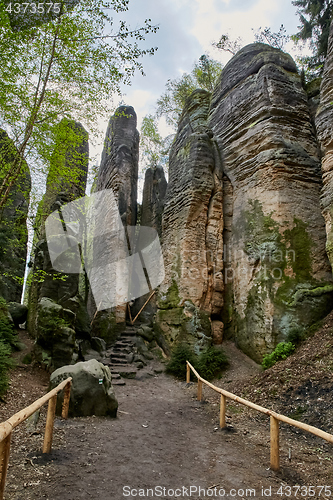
(6, 428)
(275, 418)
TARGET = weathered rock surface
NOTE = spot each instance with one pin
(66, 182)
(154, 191)
(91, 392)
(18, 312)
(192, 225)
(118, 171)
(324, 125)
(277, 275)
(13, 225)
(119, 164)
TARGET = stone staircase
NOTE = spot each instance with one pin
(122, 358)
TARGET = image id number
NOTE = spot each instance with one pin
(33, 8)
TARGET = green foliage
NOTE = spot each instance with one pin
(277, 40)
(282, 351)
(6, 363)
(177, 364)
(7, 340)
(209, 363)
(203, 75)
(315, 17)
(154, 149)
(72, 66)
(226, 44)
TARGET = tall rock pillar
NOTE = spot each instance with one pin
(277, 274)
(324, 125)
(191, 294)
(118, 171)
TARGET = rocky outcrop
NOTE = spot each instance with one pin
(118, 171)
(324, 125)
(57, 314)
(91, 392)
(119, 164)
(277, 275)
(192, 225)
(154, 190)
(13, 225)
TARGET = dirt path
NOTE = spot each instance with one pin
(162, 438)
(156, 440)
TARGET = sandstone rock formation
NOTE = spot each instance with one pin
(91, 392)
(324, 125)
(13, 225)
(192, 229)
(118, 171)
(277, 275)
(154, 190)
(119, 164)
(57, 314)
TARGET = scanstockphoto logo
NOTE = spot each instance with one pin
(122, 263)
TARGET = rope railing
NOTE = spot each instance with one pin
(275, 418)
(6, 428)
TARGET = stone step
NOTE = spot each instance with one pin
(115, 376)
(119, 382)
(121, 349)
(119, 357)
(127, 372)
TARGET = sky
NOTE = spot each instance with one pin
(187, 29)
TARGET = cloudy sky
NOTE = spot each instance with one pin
(187, 29)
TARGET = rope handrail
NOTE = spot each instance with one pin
(6, 428)
(274, 417)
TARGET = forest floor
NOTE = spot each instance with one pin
(164, 438)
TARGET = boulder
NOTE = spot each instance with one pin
(91, 393)
(18, 312)
(324, 125)
(55, 345)
(274, 246)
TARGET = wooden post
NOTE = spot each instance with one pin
(65, 404)
(275, 453)
(49, 425)
(4, 459)
(199, 390)
(222, 411)
(188, 374)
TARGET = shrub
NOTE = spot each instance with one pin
(6, 362)
(282, 351)
(209, 363)
(177, 364)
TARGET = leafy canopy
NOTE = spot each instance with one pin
(67, 68)
(315, 17)
(154, 148)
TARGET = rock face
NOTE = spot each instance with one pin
(118, 171)
(119, 164)
(91, 392)
(57, 314)
(324, 125)
(13, 225)
(154, 191)
(192, 229)
(277, 275)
